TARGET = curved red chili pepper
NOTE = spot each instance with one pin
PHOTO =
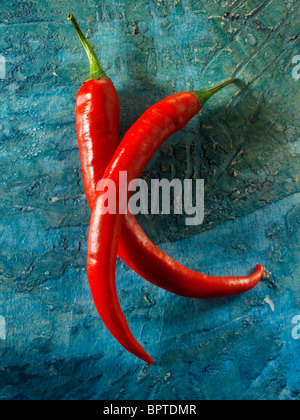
(97, 125)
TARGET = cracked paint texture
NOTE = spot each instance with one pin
(245, 145)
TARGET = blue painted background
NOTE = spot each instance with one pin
(246, 146)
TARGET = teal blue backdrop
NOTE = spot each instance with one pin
(246, 147)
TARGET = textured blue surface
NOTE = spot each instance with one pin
(245, 145)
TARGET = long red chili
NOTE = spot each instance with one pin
(97, 119)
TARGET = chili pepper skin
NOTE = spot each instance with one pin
(97, 118)
(135, 151)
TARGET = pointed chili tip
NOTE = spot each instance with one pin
(143, 355)
(260, 269)
(204, 95)
(149, 360)
(259, 273)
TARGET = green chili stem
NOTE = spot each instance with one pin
(96, 70)
(204, 95)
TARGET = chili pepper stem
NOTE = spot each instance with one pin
(204, 95)
(96, 70)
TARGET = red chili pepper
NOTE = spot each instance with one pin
(97, 120)
(97, 125)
